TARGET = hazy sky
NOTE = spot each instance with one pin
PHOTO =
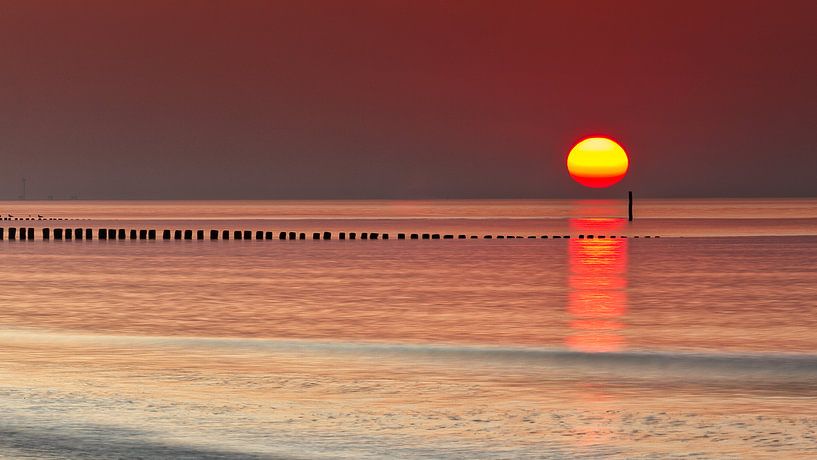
(382, 99)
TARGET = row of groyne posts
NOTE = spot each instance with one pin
(29, 233)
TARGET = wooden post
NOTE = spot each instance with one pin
(630, 206)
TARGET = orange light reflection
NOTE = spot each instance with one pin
(598, 287)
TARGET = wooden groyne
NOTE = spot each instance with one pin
(120, 234)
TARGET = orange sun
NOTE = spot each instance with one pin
(597, 162)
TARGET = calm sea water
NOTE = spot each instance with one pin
(700, 343)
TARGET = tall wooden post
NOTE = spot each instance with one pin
(630, 206)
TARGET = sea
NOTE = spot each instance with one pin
(698, 342)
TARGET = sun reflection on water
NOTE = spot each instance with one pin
(597, 300)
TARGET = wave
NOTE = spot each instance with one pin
(636, 362)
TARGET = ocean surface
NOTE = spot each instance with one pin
(698, 344)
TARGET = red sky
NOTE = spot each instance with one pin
(327, 99)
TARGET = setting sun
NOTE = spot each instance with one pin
(597, 162)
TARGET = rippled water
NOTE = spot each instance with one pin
(698, 343)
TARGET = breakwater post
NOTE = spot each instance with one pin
(630, 206)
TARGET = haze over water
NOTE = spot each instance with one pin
(697, 343)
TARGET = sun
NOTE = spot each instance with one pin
(597, 162)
